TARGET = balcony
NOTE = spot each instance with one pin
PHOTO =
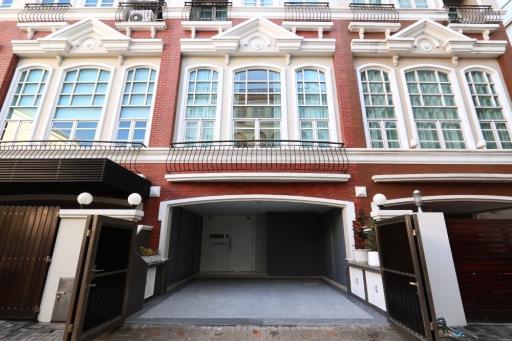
(386, 13)
(206, 11)
(43, 12)
(102, 167)
(256, 159)
(140, 11)
(307, 11)
(472, 14)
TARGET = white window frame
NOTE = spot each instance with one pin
(120, 102)
(413, 5)
(502, 95)
(181, 131)
(108, 93)
(459, 101)
(395, 93)
(284, 98)
(257, 3)
(333, 131)
(12, 89)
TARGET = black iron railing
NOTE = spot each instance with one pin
(207, 11)
(122, 153)
(374, 12)
(39, 12)
(307, 11)
(140, 11)
(257, 156)
(472, 14)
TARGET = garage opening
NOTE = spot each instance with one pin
(257, 262)
(480, 233)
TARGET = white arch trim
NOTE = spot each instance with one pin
(165, 213)
(454, 197)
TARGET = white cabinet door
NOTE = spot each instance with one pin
(375, 290)
(357, 282)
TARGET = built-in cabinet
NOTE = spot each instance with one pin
(366, 283)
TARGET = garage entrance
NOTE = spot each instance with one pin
(256, 261)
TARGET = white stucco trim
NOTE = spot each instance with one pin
(451, 198)
(257, 177)
(114, 213)
(444, 177)
(165, 213)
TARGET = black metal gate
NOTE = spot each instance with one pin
(406, 287)
(27, 236)
(101, 285)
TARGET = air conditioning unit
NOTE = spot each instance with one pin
(141, 15)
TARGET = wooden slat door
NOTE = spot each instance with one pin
(482, 253)
(27, 237)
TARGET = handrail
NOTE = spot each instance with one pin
(123, 153)
(472, 14)
(43, 12)
(207, 11)
(257, 155)
(140, 11)
(307, 11)
(374, 13)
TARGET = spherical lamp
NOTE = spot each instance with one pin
(134, 199)
(84, 199)
(379, 199)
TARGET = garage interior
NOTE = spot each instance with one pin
(256, 262)
(480, 234)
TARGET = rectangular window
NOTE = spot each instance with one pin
(257, 105)
(435, 111)
(313, 106)
(413, 3)
(24, 105)
(201, 108)
(262, 3)
(137, 105)
(379, 109)
(488, 110)
(6, 4)
(80, 104)
(99, 3)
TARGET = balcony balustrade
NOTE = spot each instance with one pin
(122, 153)
(140, 11)
(472, 14)
(374, 13)
(43, 12)
(207, 11)
(307, 11)
(257, 156)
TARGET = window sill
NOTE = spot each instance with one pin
(444, 177)
(151, 26)
(32, 27)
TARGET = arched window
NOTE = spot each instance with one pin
(257, 105)
(488, 110)
(25, 104)
(137, 104)
(434, 109)
(313, 106)
(80, 104)
(379, 109)
(201, 109)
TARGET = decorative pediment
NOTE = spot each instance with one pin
(257, 36)
(89, 37)
(429, 38)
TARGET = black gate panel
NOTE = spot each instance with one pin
(27, 237)
(101, 285)
(408, 301)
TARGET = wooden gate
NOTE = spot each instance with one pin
(482, 253)
(27, 237)
(101, 283)
(408, 302)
